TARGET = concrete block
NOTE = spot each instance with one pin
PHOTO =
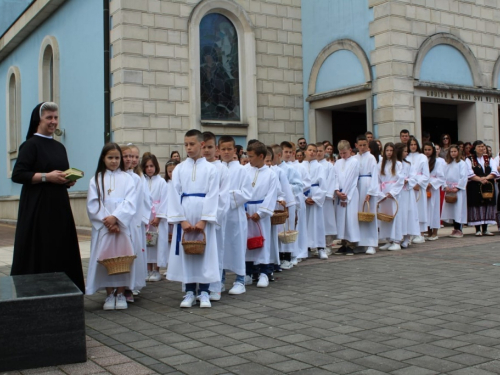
(170, 8)
(281, 88)
(276, 22)
(148, 49)
(148, 78)
(277, 126)
(276, 101)
(174, 37)
(148, 19)
(154, 6)
(160, 93)
(448, 19)
(159, 122)
(270, 9)
(163, 22)
(182, 109)
(181, 24)
(288, 75)
(164, 50)
(175, 65)
(158, 35)
(181, 80)
(135, 91)
(132, 76)
(159, 64)
(149, 107)
(181, 52)
(165, 79)
(165, 108)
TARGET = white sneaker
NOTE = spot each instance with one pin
(385, 247)
(223, 288)
(188, 300)
(238, 288)
(109, 304)
(294, 261)
(370, 250)
(263, 281)
(136, 292)
(248, 280)
(155, 276)
(418, 239)
(322, 254)
(150, 273)
(204, 299)
(405, 244)
(121, 302)
(433, 238)
(214, 296)
(394, 246)
(328, 251)
(286, 265)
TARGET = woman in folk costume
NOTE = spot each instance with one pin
(455, 177)
(369, 191)
(290, 249)
(391, 181)
(315, 198)
(420, 170)
(157, 253)
(346, 190)
(193, 198)
(235, 225)
(407, 200)
(300, 199)
(328, 207)
(436, 180)
(259, 211)
(481, 210)
(111, 206)
(138, 224)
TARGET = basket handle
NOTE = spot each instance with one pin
(397, 205)
(364, 204)
(203, 232)
(481, 186)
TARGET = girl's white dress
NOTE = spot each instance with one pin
(408, 204)
(436, 180)
(392, 184)
(455, 176)
(158, 189)
(118, 198)
(420, 171)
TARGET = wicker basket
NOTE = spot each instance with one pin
(450, 198)
(366, 216)
(118, 265)
(487, 194)
(194, 247)
(385, 217)
(288, 236)
(279, 217)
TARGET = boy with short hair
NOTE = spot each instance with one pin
(369, 191)
(235, 226)
(193, 197)
(288, 250)
(259, 211)
(346, 190)
(328, 208)
(315, 198)
(209, 151)
(301, 225)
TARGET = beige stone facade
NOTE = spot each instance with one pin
(401, 30)
(154, 68)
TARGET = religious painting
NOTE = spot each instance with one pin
(219, 69)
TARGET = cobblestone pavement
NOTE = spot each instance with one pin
(433, 309)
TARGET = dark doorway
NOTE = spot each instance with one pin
(348, 123)
(438, 119)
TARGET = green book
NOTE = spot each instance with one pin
(73, 174)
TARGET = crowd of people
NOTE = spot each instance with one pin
(253, 211)
(233, 202)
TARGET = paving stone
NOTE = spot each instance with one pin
(414, 370)
(379, 363)
(436, 364)
(289, 365)
(314, 358)
(343, 367)
(471, 371)
(432, 350)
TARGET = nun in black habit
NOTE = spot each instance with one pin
(46, 239)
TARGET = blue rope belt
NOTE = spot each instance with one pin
(179, 227)
(364, 175)
(308, 191)
(253, 202)
(338, 201)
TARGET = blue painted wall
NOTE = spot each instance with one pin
(446, 64)
(77, 25)
(325, 21)
(10, 10)
(341, 69)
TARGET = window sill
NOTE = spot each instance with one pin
(225, 124)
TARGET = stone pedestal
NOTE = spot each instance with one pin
(41, 322)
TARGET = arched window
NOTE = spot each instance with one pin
(48, 70)
(219, 69)
(13, 113)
